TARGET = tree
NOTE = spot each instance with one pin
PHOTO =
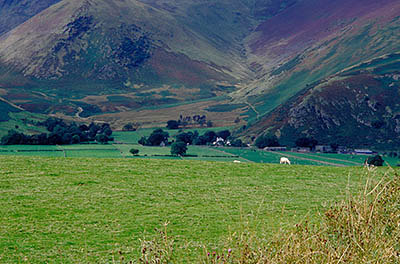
(209, 123)
(134, 152)
(76, 139)
(143, 141)
(157, 137)
(12, 138)
(61, 133)
(237, 143)
(188, 137)
(66, 139)
(107, 131)
(201, 140)
(54, 139)
(178, 148)
(83, 128)
(306, 142)
(334, 146)
(377, 160)
(101, 138)
(128, 127)
(267, 141)
(172, 124)
(224, 134)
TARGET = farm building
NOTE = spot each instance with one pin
(323, 148)
(342, 150)
(219, 142)
(275, 148)
(301, 149)
(364, 152)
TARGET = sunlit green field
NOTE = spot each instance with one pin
(69, 210)
(124, 141)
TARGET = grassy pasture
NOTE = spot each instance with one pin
(72, 210)
(194, 153)
(206, 153)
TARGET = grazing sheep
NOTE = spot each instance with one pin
(236, 161)
(284, 160)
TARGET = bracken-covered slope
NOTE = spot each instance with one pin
(358, 107)
(119, 56)
(314, 47)
(120, 61)
(314, 39)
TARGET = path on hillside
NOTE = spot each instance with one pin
(12, 104)
(309, 159)
(254, 109)
(80, 110)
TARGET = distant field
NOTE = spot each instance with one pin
(63, 210)
(124, 141)
(16, 120)
(194, 153)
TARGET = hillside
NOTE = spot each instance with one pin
(153, 60)
(314, 39)
(358, 107)
(15, 12)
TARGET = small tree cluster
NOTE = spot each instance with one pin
(156, 138)
(61, 133)
(376, 160)
(134, 152)
(185, 121)
(211, 136)
(131, 127)
(306, 142)
(178, 148)
(267, 141)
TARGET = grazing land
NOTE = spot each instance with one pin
(73, 210)
(126, 140)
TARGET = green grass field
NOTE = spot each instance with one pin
(124, 141)
(204, 153)
(63, 210)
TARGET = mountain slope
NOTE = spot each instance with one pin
(358, 107)
(13, 13)
(313, 40)
(150, 52)
(121, 60)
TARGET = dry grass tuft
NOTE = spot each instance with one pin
(158, 250)
(361, 229)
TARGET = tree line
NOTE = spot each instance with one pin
(159, 137)
(61, 133)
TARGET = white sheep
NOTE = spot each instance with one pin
(284, 160)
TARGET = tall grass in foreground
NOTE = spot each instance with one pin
(360, 229)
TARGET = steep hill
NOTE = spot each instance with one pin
(358, 107)
(151, 54)
(313, 40)
(311, 58)
(15, 12)
(120, 61)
